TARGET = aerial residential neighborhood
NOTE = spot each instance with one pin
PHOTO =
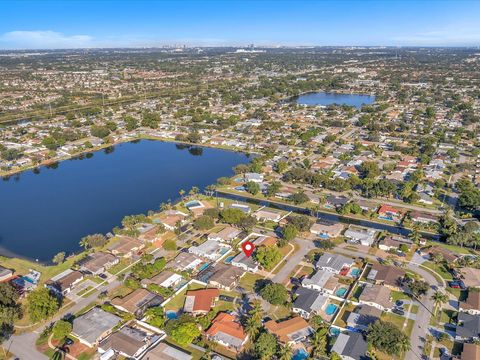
(305, 194)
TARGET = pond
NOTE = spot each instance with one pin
(322, 98)
(47, 211)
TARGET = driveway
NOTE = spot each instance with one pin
(304, 247)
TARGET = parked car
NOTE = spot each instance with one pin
(398, 311)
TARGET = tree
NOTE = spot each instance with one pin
(155, 316)
(10, 310)
(59, 258)
(266, 346)
(61, 329)
(274, 188)
(289, 232)
(99, 131)
(369, 169)
(252, 187)
(203, 222)
(41, 304)
(419, 287)
(267, 256)
(231, 215)
(386, 337)
(299, 198)
(301, 222)
(247, 223)
(93, 241)
(319, 342)
(448, 224)
(285, 352)
(439, 298)
(282, 165)
(275, 294)
(469, 194)
(185, 333)
(253, 322)
(415, 235)
(170, 245)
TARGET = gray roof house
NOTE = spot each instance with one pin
(333, 262)
(164, 351)
(360, 235)
(318, 280)
(363, 316)
(468, 327)
(308, 302)
(94, 325)
(351, 346)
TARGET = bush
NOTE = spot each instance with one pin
(204, 222)
(275, 294)
(61, 329)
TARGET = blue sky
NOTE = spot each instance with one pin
(76, 24)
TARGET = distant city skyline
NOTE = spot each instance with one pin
(100, 24)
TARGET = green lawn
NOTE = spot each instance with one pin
(398, 295)
(178, 301)
(441, 269)
(248, 281)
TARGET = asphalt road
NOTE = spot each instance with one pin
(304, 247)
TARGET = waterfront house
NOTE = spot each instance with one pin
(377, 296)
(5, 274)
(199, 302)
(171, 219)
(291, 331)
(335, 202)
(97, 262)
(227, 331)
(366, 205)
(254, 177)
(327, 229)
(93, 326)
(308, 302)
(164, 351)
(64, 282)
(334, 263)
(360, 235)
(263, 215)
(393, 242)
(423, 217)
(351, 346)
(388, 212)
(137, 302)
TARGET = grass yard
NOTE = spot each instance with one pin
(398, 295)
(248, 281)
(85, 292)
(440, 269)
(178, 301)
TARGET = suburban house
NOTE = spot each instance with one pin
(224, 276)
(334, 263)
(385, 275)
(308, 302)
(360, 235)
(94, 325)
(137, 302)
(126, 246)
(227, 234)
(210, 249)
(470, 277)
(323, 281)
(64, 282)
(5, 274)
(470, 351)
(423, 217)
(468, 327)
(471, 304)
(377, 296)
(170, 219)
(263, 215)
(327, 229)
(227, 331)
(366, 205)
(388, 212)
(164, 351)
(199, 302)
(448, 255)
(334, 202)
(351, 346)
(393, 242)
(363, 316)
(245, 262)
(185, 261)
(166, 279)
(129, 342)
(254, 177)
(291, 331)
(98, 262)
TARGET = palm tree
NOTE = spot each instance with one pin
(319, 343)
(439, 298)
(84, 243)
(285, 352)
(181, 193)
(193, 191)
(415, 235)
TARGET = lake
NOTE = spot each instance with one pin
(45, 213)
(328, 98)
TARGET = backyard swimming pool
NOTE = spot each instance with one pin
(171, 315)
(331, 308)
(300, 355)
(341, 292)
(355, 272)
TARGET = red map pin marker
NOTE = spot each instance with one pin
(247, 248)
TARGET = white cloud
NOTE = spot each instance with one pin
(44, 40)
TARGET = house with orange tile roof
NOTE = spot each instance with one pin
(199, 302)
(291, 331)
(227, 331)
